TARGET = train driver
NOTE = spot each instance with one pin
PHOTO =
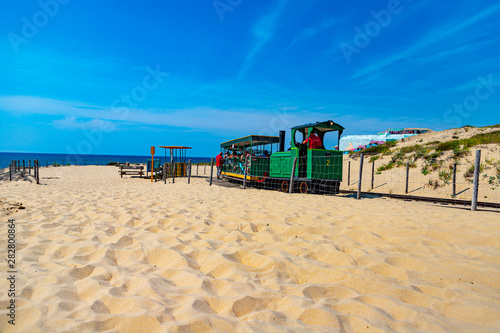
(313, 140)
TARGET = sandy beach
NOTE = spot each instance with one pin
(99, 253)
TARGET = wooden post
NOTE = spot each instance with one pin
(407, 176)
(10, 171)
(18, 165)
(204, 169)
(373, 173)
(165, 172)
(197, 166)
(29, 167)
(454, 179)
(211, 171)
(173, 172)
(34, 169)
(290, 189)
(349, 174)
(360, 175)
(24, 167)
(37, 173)
(152, 162)
(189, 172)
(477, 166)
(245, 173)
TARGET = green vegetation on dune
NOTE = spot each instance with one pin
(431, 153)
(448, 145)
(410, 149)
(380, 149)
(387, 166)
(478, 139)
(482, 139)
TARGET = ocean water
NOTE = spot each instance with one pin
(64, 159)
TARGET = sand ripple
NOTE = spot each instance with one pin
(97, 253)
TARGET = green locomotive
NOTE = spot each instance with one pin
(317, 170)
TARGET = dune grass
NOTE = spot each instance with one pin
(478, 139)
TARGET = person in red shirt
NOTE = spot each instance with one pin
(313, 140)
(219, 161)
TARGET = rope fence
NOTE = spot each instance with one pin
(475, 178)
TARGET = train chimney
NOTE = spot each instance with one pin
(282, 141)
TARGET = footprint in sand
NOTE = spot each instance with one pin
(161, 286)
(81, 273)
(118, 291)
(68, 295)
(99, 307)
(202, 305)
(407, 263)
(314, 292)
(319, 317)
(67, 306)
(247, 305)
(123, 242)
(27, 293)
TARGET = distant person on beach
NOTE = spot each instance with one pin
(313, 140)
(219, 161)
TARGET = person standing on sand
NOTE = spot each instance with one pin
(219, 161)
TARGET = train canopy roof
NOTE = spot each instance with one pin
(324, 126)
(250, 140)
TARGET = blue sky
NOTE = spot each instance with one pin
(117, 77)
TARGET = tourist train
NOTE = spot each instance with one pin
(262, 161)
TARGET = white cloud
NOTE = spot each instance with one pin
(73, 123)
(262, 31)
(249, 121)
(311, 31)
(436, 35)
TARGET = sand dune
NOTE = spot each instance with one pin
(101, 253)
(432, 184)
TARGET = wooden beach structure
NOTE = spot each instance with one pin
(178, 165)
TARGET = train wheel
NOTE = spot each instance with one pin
(284, 186)
(303, 187)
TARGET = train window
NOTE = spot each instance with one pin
(298, 138)
(330, 140)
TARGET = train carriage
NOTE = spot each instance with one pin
(268, 165)
(258, 148)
